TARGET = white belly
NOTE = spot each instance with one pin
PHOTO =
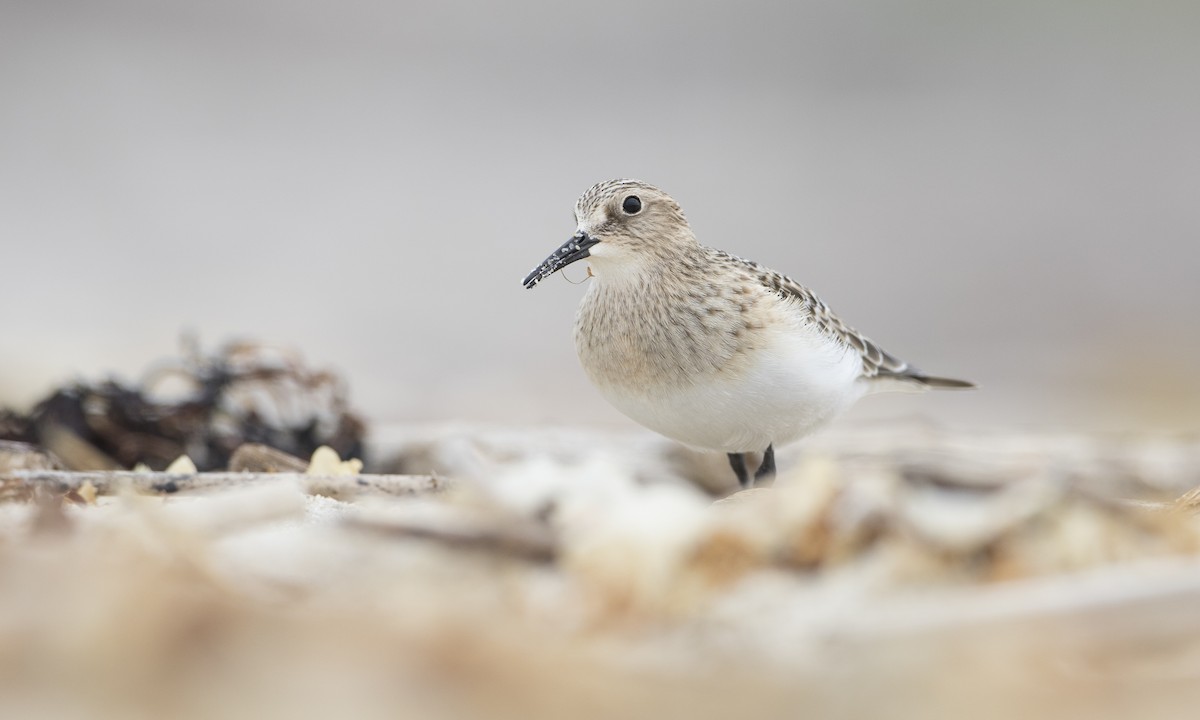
(794, 383)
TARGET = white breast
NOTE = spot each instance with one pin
(796, 380)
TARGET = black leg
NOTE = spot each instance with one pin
(737, 461)
(767, 469)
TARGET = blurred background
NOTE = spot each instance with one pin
(1008, 192)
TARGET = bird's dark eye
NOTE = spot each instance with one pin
(632, 205)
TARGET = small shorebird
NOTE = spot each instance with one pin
(704, 347)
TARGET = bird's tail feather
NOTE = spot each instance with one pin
(941, 382)
(915, 381)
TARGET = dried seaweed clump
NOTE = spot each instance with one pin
(203, 406)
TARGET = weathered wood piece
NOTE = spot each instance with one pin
(20, 485)
(524, 539)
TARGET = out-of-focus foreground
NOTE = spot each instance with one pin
(931, 576)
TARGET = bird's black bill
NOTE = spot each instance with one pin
(574, 249)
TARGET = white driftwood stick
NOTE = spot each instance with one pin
(23, 483)
(528, 540)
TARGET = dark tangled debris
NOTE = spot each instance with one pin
(244, 393)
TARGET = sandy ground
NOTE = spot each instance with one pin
(927, 575)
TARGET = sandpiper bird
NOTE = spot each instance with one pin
(704, 347)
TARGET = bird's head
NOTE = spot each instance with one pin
(620, 225)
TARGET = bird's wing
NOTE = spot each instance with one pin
(877, 362)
